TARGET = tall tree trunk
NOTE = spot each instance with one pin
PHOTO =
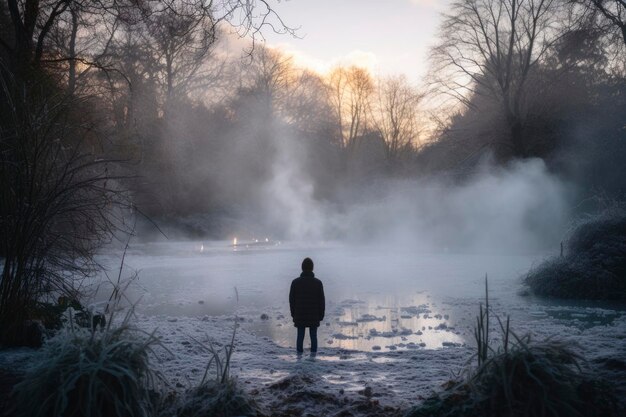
(23, 32)
(71, 83)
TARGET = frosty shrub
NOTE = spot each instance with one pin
(59, 201)
(594, 264)
(87, 373)
(520, 378)
(541, 379)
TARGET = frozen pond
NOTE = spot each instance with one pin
(398, 322)
(376, 299)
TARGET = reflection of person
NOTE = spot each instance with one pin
(307, 304)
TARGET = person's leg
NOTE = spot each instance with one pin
(313, 334)
(300, 340)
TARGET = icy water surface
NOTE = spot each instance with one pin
(382, 299)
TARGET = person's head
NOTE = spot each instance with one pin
(307, 265)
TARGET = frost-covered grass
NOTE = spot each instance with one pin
(521, 378)
(90, 373)
(407, 375)
(212, 399)
(106, 371)
(218, 394)
(532, 379)
(594, 265)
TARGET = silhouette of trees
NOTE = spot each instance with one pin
(180, 38)
(351, 90)
(308, 106)
(270, 76)
(296, 96)
(59, 199)
(560, 99)
(181, 31)
(613, 12)
(491, 48)
(396, 116)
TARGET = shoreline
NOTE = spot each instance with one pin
(339, 380)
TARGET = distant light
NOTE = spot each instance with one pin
(201, 248)
(235, 242)
(267, 240)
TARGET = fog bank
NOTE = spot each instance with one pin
(517, 208)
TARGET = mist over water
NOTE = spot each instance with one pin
(270, 181)
(517, 208)
(375, 296)
(288, 198)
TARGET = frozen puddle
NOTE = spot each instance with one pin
(368, 326)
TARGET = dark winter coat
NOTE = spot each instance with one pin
(306, 300)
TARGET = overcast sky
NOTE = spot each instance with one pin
(387, 36)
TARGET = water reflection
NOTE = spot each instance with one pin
(375, 323)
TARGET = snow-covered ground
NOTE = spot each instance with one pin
(397, 321)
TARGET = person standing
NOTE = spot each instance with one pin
(307, 305)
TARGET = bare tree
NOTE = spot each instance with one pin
(36, 22)
(396, 116)
(58, 201)
(613, 11)
(490, 48)
(294, 95)
(133, 93)
(350, 92)
(190, 24)
(270, 74)
(180, 37)
(308, 106)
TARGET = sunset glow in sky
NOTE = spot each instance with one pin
(387, 37)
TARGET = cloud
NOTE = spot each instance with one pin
(363, 59)
(301, 58)
(430, 4)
